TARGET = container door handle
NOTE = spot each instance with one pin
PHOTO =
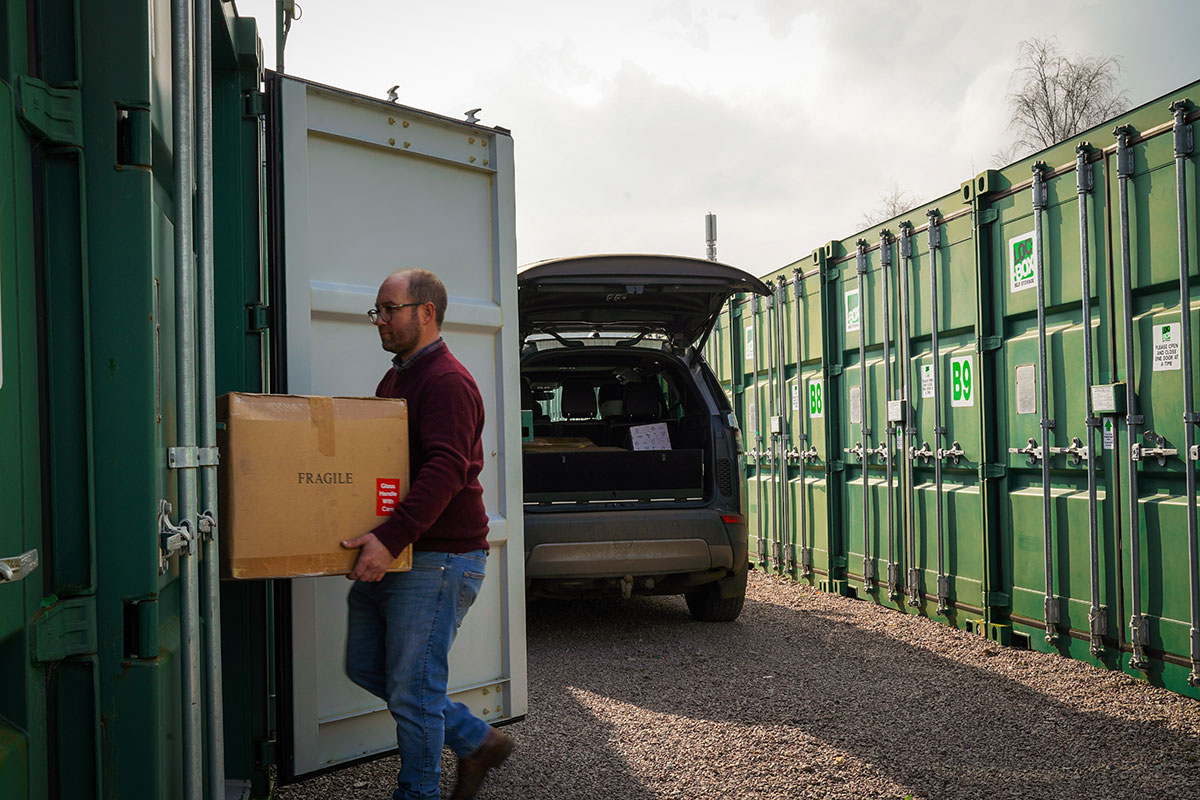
(15, 568)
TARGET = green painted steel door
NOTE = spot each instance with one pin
(1154, 532)
(949, 555)
(808, 496)
(1042, 556)
(22, 703)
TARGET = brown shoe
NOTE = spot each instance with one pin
(473, 768)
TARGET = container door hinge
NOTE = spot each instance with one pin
(990, 471)
(15, 568)
(986, 344)
(257, 319)
(64, 628)
(256, 103)
(834, 370)
(54, 114)
(837, 465)
(988, 216)
(172, 539)
(191, 457)
(996, 599)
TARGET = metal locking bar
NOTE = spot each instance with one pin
(955, 452)
(1159, 451)
(16, 568)
(1033, 450)
(1078, 451)
(172, 539)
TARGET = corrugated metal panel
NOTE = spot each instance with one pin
(978, 526)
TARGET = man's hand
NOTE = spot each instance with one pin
(373, 560)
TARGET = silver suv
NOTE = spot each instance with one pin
(631, 475)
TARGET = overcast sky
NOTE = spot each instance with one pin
(789, 120)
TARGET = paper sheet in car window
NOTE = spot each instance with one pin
(650, 437)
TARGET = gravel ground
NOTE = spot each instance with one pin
(810, 695)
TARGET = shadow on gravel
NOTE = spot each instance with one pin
(634, 700)
(938, 727)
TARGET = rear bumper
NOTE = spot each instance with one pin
(659, 542)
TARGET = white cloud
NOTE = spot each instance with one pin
(788, 119)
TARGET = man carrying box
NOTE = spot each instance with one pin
(401, 624)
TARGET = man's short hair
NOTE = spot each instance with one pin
(425, 287)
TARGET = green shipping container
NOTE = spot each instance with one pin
(983, 411)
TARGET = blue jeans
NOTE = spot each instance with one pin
(397, 648)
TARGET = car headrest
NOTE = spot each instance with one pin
(643, 401)
(612, 401)
(578, 400)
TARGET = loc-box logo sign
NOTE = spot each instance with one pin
(962, 382)
(1021, 271)
(852, 311)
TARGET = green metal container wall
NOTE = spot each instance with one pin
(1025, 458)
(90, 641)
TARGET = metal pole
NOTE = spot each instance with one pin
(885, 265)
(710, 235)
(1039, 205)
(802, 433)
(787, 554)
(213, 698)
(1137, 623)
(943, 583)
(1183, 148)
(758, 438)
(864, 432)
(1097, 621)
(773, 436)
(185, 388)
(909, 427)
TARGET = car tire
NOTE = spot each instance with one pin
(707, 605)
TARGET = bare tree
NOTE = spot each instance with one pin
(892, 203)
(1059, 96)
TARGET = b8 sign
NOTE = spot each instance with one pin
(816, 399)
(962, 381)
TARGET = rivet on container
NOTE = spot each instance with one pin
(392, 142)
(391, 120)
(471, 140)
(408, 144)
(405, 123)
(472, 159)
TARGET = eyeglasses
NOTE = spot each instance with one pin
(385, 312)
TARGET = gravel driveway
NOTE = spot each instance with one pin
(811, 695)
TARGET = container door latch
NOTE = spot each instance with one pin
(15, 568)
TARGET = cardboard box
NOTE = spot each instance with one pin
(299, 475)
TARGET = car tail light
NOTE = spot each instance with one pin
(733, 519)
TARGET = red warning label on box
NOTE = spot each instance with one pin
(387, 493)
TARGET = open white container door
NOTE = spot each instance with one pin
(369, 187)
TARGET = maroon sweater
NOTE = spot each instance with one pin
(443, 510)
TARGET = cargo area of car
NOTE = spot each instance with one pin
(613, 424)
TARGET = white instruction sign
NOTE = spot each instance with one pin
(1021, 271)
(816, 399)
(1167, 347)
(749, 349)
(852, 311)
(962, 381)
(752, 416)
(653, 436)
(855, 405)
(927, 380)
(1109, 433)
(796, 396)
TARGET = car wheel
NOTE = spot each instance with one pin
(707, 605)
